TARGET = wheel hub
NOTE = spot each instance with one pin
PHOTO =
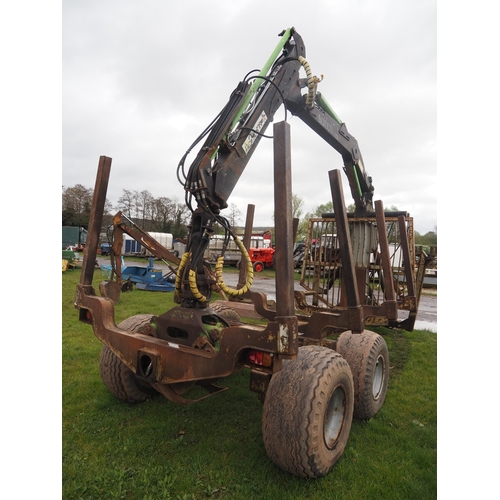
(334, 417)
(378, 378)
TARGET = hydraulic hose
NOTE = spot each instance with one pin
(178, 277)
(218, 272)
(194, 287)
(312, 82)
(191, 278)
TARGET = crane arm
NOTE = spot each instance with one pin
(232, 138)
(236, 132)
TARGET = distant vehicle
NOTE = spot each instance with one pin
(74, 236)
(261, 258)
(105, 249)
(232, 254)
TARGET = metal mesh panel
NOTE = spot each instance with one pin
(322, 267)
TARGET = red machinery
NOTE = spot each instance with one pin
(261, 258)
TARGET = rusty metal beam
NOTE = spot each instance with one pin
(345, 248)
(174, 362)
(95, 221)
(408, 261)
(285, 304)
(132, 229)
(285, 301)
(389, 293)
(348, 271)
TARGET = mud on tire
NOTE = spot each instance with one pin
(117, 377)
(307, 412)
(368, 357)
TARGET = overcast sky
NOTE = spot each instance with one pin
(141, 80)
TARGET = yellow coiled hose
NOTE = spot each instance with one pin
(194, 287)
(218, 274)
(191, 278)
(178, 277)
(312, 82)
(249, 280)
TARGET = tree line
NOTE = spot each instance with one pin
(167, 215)
(162, 214)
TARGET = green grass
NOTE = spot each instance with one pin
(214, 449)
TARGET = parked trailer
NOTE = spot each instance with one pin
(131, 246)
(164, 239)
(233, 254)
(73, 236)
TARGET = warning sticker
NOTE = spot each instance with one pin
(253, 134)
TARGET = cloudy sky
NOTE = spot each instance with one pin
(141, 80)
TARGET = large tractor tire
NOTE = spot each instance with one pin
(117, 377)
(226, 312)
(368, 357)
(307, 412)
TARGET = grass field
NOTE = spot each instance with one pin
(214, 449)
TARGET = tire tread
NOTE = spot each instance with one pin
(116, 376)
(361, 350)
(292, 412)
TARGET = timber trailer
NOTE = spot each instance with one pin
(311, 360)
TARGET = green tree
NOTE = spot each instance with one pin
(325, 208)
(317, 212)
(180, 219)
(164, 215)
(297, 206)
(161, 211)
(76, 203)
(429, 238)
(76, 206)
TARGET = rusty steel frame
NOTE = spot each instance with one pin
(122, 225)
(353, 278)
(169, 359)
(171, 351)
